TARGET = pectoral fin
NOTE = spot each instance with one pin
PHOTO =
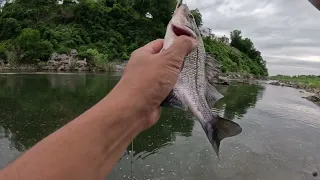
(218, 129)
(173, 101)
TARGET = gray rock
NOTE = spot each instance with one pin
(275, 83)
(73, 52)
(82, 62)
(315, 99)
(222, 80)
(52, 63)
(53, 56)
(66, 61)
(61, 68)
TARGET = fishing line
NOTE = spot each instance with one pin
(131, 157)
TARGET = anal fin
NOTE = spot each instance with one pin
(212, 95)
(218, 129)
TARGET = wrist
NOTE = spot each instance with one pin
(123, 104)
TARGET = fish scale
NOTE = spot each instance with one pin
(193, 92)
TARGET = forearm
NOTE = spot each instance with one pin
(86, 148)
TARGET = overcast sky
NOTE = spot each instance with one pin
(286, 32)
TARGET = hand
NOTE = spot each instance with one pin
(150, 76)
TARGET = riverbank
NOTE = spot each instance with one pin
(66, 63)
(310, 84)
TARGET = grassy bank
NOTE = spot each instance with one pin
(309, 81)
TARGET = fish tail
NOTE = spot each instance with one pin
(218, 129)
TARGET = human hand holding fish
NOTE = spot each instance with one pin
(151, 74)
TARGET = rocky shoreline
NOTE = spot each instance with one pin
(63, 63)
(315, 97)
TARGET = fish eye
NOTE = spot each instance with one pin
(191, 16)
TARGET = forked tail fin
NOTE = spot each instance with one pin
(218, 129)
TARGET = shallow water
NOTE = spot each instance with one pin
(280, 138)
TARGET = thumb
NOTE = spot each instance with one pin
(181, 47)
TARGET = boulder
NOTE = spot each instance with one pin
(222, 80)
(315, 99)
(81, 65)
(73, 52)
(53, 56)
(64, 67)
(277, 83)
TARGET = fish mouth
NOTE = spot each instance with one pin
(183, 30)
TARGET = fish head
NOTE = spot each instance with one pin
(182, 23)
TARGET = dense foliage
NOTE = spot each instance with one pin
(246, 46)
(103, 31)
(310, 81)
(232, 59)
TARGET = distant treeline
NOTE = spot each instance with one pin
(104, 31)
(311, 81)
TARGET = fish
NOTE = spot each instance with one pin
(315, 3)
(193, 92)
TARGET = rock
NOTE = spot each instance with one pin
(73, 52)
(222, 80)
(82, 62)
(244, 81)
(301, 91)
(52, 63)
(81, 65)
(66, 61)
(61, 68)
(314, 174)
(277, 83)
(61, 57)
(53, 56)
(82, 68)
(315, 99)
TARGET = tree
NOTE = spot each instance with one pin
(197, 17)
(9, 27)
(32, 46)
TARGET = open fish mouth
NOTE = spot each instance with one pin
(183, 30)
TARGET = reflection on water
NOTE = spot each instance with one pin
(34, 106)
(238, 99)
(280, 138)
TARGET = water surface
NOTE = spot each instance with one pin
(280, 138)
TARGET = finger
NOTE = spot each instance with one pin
(181, 47)
(153, 47)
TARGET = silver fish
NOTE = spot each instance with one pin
(193, 91)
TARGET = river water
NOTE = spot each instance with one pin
(280, 138)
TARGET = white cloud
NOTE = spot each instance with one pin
(283, 31)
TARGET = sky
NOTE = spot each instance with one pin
(286, 32)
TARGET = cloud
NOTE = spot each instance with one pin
(286, 32)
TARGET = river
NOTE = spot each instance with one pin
(280, 138)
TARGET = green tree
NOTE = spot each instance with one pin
(32, 46)
(197, 16)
